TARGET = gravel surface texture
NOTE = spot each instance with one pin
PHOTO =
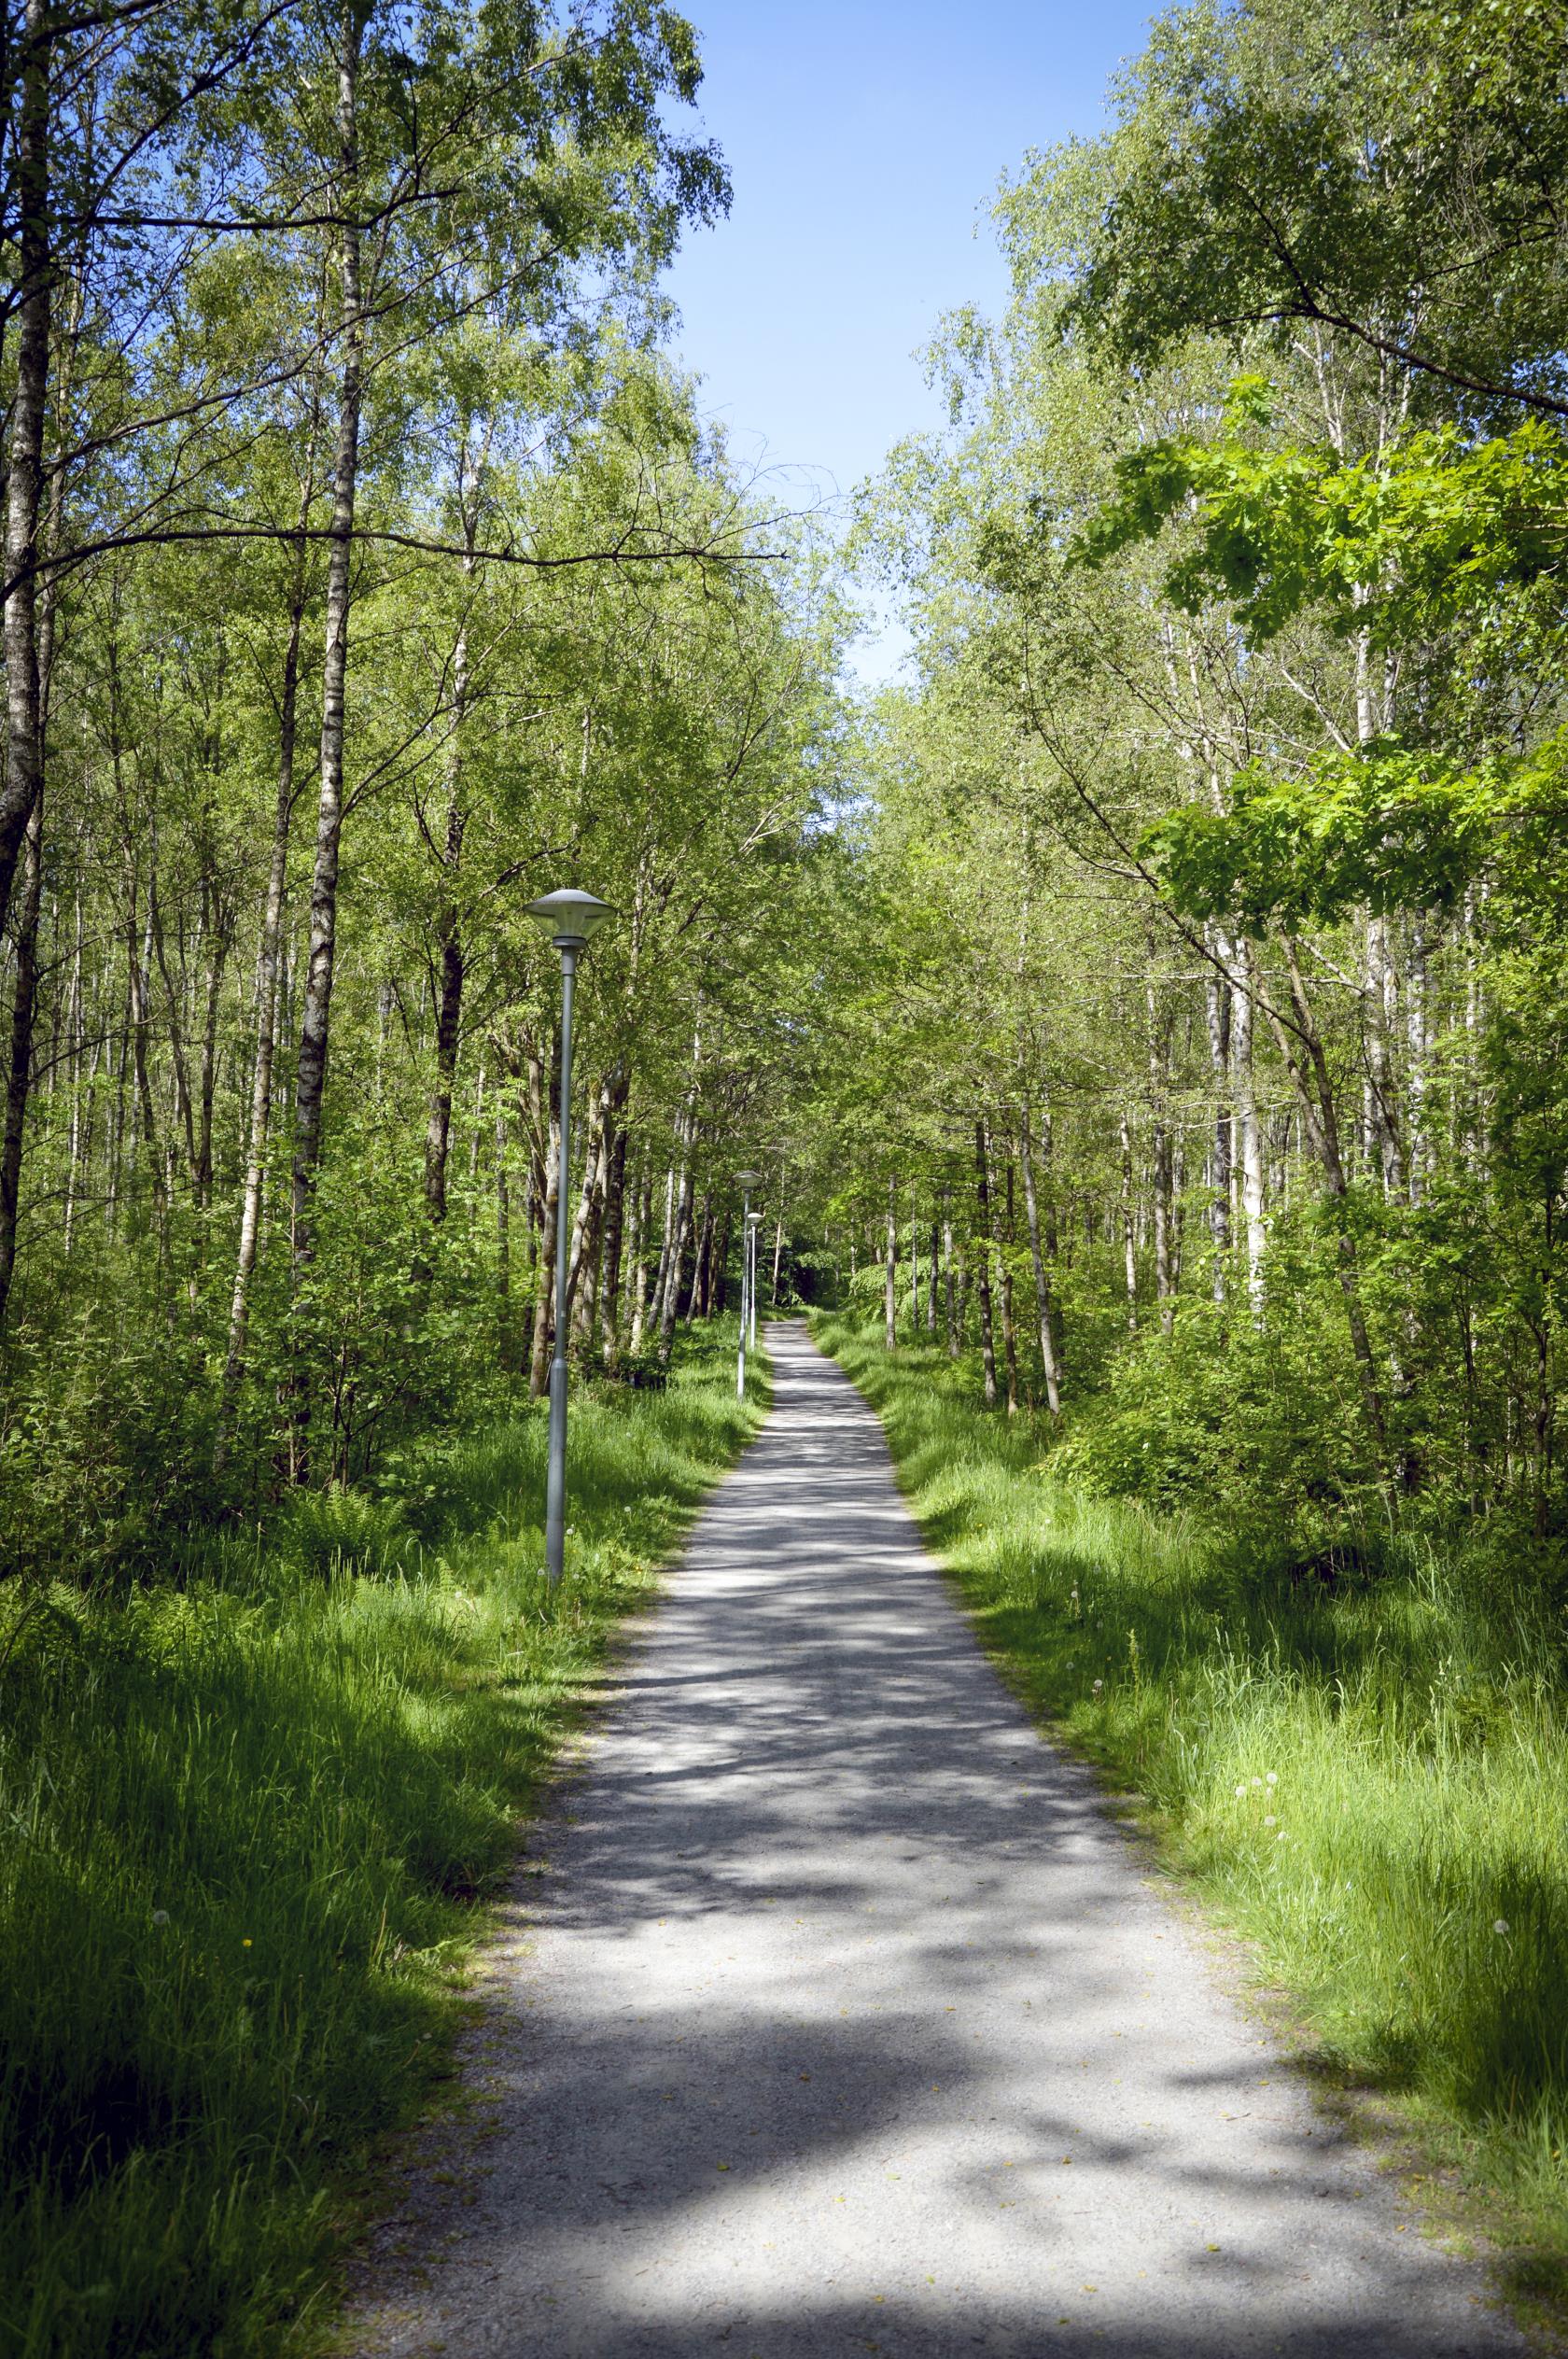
(835, 2014)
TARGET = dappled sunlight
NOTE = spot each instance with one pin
(833, 2013)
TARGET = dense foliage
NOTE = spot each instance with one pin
(1219, 838)
(370, 573)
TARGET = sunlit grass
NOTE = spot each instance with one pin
(1372, 1780)
(243, 1826)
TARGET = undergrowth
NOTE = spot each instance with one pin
(245, 1813)
(1370, 1776)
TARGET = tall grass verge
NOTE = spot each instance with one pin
(245, 1819)
(1371, 1780)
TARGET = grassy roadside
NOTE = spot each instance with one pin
(244, 1820)
(1372, 1784)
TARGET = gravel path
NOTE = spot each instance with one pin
(843, 2020)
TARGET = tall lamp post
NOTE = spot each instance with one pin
(748, 1182)
(571, 918)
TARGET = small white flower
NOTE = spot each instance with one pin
(1281, 1838)
(1242, 1786)
(160, 1916)
(1257, 1781)
(1099, 1686)
(1500, 1926)
(1271, 1820)
(1271, 1780)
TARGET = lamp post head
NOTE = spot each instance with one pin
(569, 916)
(748, 1179)
(754, 1219)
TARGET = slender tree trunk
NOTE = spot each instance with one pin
(1302, 1053)
(891, 1271)
(19, 1072)
(1009, 1329)
(76, 1151)
(219, 934)
(983, 1258)
(1219, 1013)
(722, 1273)
(955, 1339)
(544, 1280)
(1129, 1236)
(503, 1244)
(451, 966)
(666, 1247)
(1159, 1151)
(933, 1262)
(1042, 1286)
(310, 1079)
(1251, 1134)
(21, 787)
(639, 1263)
(266, 1034)
(614, 1231)
(702, 1273)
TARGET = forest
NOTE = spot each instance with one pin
(1148, 1019)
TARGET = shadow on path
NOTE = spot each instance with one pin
(835, 2015)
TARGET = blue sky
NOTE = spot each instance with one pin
(864, 142)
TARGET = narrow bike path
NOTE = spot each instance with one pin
(835, 2015)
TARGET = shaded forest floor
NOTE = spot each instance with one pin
(1369, 1783)
(248, 1814)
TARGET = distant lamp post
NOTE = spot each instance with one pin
(749, 1180)
(571, 918)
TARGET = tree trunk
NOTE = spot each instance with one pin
(19, 1073)
(1042, 1287)
(615, 1230)
(982, 1246)
(1009, 1329)
(503, 1244)
(1159, 1151)
(266, 1034)
(640, 1262)
(22, 790)
(1250, 1140)
(544, 1278)
(891, 1271)
(1130, 1239)
(451, 967)
(677, 1239)
(310, 1079)
(1302, 1053)
(702, 1270)
(955, 1339)
(1219, 1013)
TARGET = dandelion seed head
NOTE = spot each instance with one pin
(1501, 1925)
(1242, 1786)
(1271, 1780)
(1257, 1781)
(160, 1916)
(1271, 1820)
(1099, 1686)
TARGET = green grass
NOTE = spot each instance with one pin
(245, 1819)
(1372, 1782)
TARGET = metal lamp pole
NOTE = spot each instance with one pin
(748, 1182)
(571, 918)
